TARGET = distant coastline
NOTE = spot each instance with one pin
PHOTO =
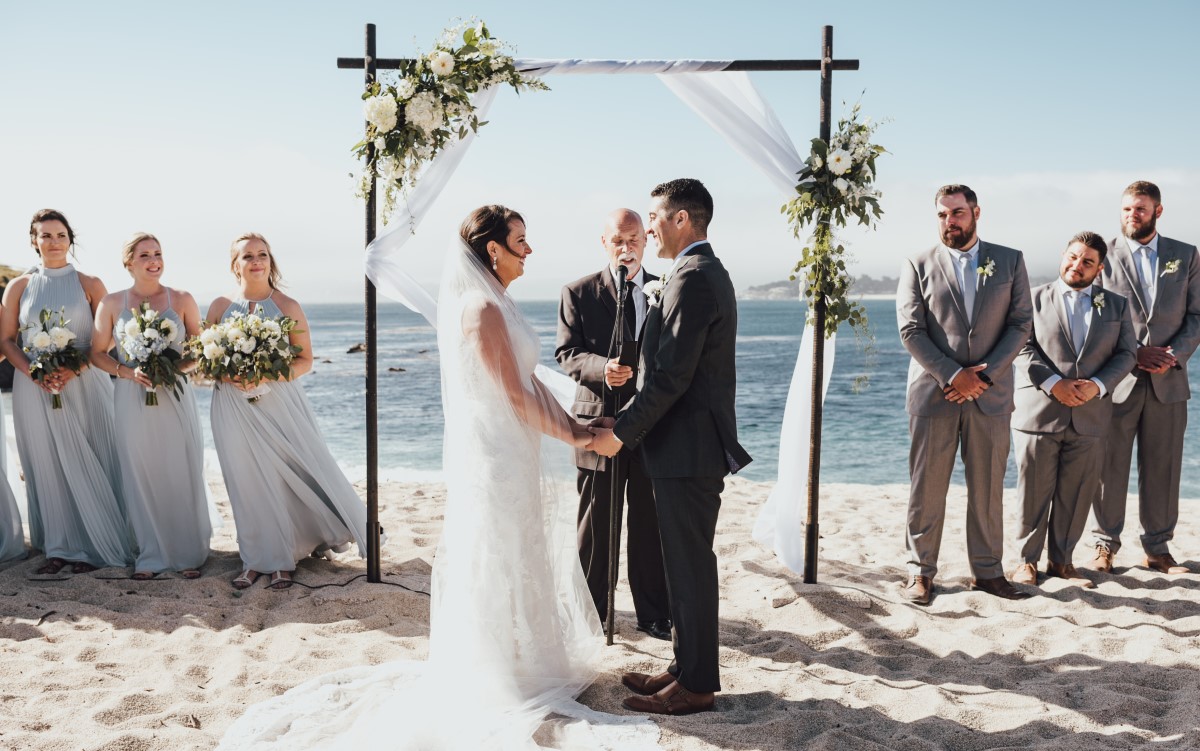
(863, 288)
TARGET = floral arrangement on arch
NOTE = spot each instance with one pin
(413, 117)
(836, 185)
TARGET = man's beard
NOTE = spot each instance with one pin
(1143, 233)
(1079, 284)
(961, 239)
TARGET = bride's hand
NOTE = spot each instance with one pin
(581, 436)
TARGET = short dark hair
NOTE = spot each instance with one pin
(1144, 188)
(48, 215)
(1092, 240)
(687, 194)
(485, 224)
(956, 189)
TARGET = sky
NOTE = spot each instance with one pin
(199, 121)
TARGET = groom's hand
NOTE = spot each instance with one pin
(604, 442)
(616, 375)
(603, 422)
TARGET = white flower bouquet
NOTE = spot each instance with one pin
(146, 339)
(47, 344)
(429, 104)
(249, 349)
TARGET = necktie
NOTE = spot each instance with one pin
(968, 284)
(1077, 320)
(630, 311)
(1147, 269)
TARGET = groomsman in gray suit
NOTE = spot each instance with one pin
(964, 313)
(1161, 277)
(1082, 347)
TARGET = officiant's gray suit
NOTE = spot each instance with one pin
(943, 337)
(1150, 408)
(1060, 449)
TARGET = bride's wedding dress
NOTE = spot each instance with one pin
(513, 633)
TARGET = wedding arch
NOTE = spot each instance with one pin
(732, 106)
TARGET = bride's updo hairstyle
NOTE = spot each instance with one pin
(274, 277)
(485, 224)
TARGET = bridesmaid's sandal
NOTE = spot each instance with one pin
(246, 580)
(280, 580)
(190, 573)
(82, 567)
(143, 576)
(51, 567)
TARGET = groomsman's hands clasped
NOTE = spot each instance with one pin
(1156, 360)
(968, 385)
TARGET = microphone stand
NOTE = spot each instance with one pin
(614, 487)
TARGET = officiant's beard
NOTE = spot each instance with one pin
(1143, 233)
(959, 237)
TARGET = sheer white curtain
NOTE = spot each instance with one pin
(730, 103)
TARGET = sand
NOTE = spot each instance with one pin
(97, 661)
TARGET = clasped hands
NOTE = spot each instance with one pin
(1073, 393)
(53, 383)
(967, 385)
(598, 436)
(1156, 360)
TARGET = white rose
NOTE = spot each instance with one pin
(235, 336)
(441, 63)
(405, 88)
(150, 334)
(210, 335)
(170, 330)
(150, 316)
(132, 328)
(839, 161)
(424, 111)
(61, 337)
(40, 340)
(248, 345)
(213, 351)
(272, 328)
(841, 185)
(381, 112)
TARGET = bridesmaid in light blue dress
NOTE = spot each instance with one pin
(290, 499)
(161, 450)
(12, 536)
(68, 455)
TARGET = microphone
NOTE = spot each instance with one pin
(622, 272)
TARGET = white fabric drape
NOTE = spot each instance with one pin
(731, 104)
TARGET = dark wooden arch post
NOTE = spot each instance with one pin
(372, 360)
(811, 524)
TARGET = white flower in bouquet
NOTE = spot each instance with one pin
(441, 63)
(131, 328)
(817, 162)
(839, 161)
(424, 111)
(214, 351)
(61, 337)
(41, 340)
(210, 335)
(248, 344)
(841, 185)
(381, 111)
(405, 88)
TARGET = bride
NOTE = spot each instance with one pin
(513, 633)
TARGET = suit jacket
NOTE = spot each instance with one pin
(683, 415)
(587, 313)
(1175, 319)
(1109, 352)
(934, 329)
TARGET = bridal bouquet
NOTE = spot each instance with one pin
(48, 346)
(428, 105)
(247, 348)
(146, 339)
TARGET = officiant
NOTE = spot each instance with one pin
(589, 350)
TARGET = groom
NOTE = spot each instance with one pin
(683, 419)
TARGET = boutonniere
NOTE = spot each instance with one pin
(1098, 302)
(986, 270)
(653, 291)
(1170, 267)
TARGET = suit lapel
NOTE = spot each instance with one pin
(1097, 320)
(1060, 314)
(980, 281)
(1124, 258)
(606, 293)
(942, 259)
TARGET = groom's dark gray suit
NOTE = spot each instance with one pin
(683, 419)
(942, 339)
(1150, 407)
(1060, 449)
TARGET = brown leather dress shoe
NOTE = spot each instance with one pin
(1103, 561)
(1164, 564)
(643, 684)
(1070, 573)
(1026, 573)
(1000, 587)
(919, 589)
(672, 700)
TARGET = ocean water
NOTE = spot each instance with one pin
(865, 436)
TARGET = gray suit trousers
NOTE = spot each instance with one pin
(1060, 477)
(935, 442)
(1159, 430)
